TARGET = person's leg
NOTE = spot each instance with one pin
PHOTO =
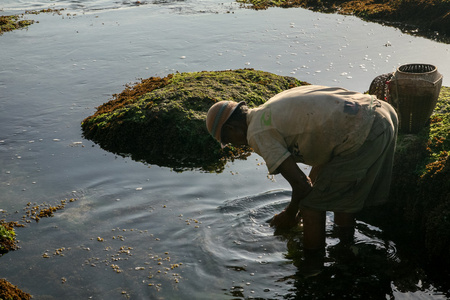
(313, 229)
(345, 226)
(313, 242)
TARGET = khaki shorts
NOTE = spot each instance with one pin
(349, 183)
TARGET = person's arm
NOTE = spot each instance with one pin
(301, 186)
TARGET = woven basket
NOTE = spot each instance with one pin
(380, 87)
(414, 90)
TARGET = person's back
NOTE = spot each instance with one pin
(313, 123)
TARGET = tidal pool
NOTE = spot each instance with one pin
(146, 232)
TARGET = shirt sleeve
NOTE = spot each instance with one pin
(272, 148)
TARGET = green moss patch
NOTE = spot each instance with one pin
(432, 200)
(7, 237)
(13, 22)
(162, 120)
(9, 23)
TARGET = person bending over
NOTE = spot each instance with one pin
(347, 137)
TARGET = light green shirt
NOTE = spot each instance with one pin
(312, 123)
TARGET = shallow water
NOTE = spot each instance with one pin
(205, 233)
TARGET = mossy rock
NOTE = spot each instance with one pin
(419, 208)
(9, 291)
(8, 240)
(162, 120)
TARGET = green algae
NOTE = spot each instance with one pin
(162, 120)
(13, 22)
(7, 237)
(434, 183)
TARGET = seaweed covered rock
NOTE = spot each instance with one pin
(8, 240)
(162, 120)
(9, 291)
(432, 201)
(419, 208)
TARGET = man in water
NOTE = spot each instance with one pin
(347, 137)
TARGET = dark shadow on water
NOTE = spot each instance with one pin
(183, 164)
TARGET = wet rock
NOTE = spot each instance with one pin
(162, 120)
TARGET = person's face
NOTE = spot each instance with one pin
(233, 135)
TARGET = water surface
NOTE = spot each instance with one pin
(144, 231)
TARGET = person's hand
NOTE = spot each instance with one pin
(287, 219)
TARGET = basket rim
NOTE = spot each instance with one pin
(417, 64)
